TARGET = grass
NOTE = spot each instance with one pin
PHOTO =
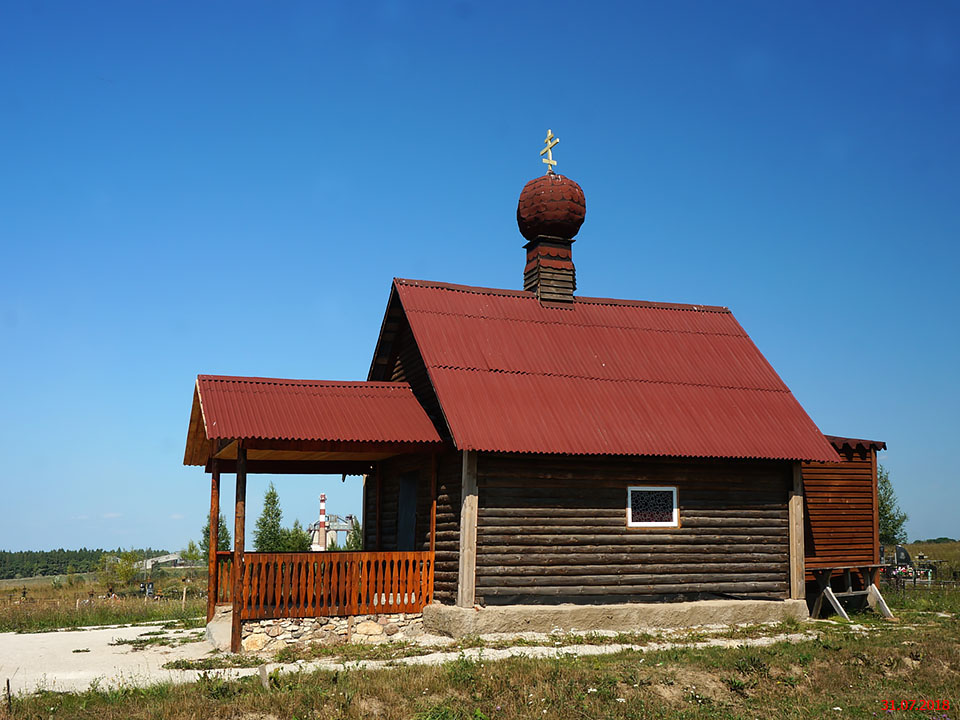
(158, 638)
(215, 662)
(50, 605)
(932, 598)
(30, 617)
(851, 666)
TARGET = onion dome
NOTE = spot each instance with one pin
(551, 205)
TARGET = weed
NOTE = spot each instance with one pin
(214, 662)
(750, 664)
(737, 685)
(439, 712)
(214, 686)
(463, 670)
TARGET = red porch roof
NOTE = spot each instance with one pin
(231, 408)
(602, 376)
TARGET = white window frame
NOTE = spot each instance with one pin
(658, 488)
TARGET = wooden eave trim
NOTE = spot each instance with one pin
(296, 467)
(198, 447)
(397, 448)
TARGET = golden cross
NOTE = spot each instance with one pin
(551, 143)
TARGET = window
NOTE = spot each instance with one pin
(652, 507)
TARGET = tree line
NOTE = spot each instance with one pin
(30, 563)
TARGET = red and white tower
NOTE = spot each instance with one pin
(319, 540)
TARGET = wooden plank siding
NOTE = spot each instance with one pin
(553, 529)
(840, 512)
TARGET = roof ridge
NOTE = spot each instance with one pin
(526, 294)
(611, 380)
(372, 384)
(741, 334)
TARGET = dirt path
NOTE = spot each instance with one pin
(48, 661)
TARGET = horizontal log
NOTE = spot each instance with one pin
(620, 510)
(505, 581)
(588, 571)
(613, 518)
(636, 536)
(732, 588)
(765, 526)
(591, 489)
(486, 558)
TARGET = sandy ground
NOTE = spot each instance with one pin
(46, 661)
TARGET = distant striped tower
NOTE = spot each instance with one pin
(319, 541)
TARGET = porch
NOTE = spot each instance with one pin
(280, 427)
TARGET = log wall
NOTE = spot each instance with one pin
(447, 557)
(554, 530)
(840, 512)
(448, 513)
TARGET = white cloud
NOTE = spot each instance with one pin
(176, 516)
(111, 515)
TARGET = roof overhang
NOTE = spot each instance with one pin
(846, 444)
(304, 426)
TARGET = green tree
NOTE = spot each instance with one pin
(193, 555)
(268, 535)
(355, 536)
(223, 537)
(118, 569)
(892, 518)
(296, 539)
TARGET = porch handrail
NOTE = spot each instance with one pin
(316, 584)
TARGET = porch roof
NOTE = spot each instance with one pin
(306, 420)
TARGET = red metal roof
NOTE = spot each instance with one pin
(278, 409)
(855, 444)
(602, 376)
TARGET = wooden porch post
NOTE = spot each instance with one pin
(212, 589)
(238, 540)
(467, 575)
(876, 509)
(433, 503)
(795, 515)
(376, 471)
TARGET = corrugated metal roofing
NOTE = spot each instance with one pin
(279, 409)
(855, 444)
(602, 376)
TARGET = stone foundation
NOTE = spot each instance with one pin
(269, 636)
(629, 617)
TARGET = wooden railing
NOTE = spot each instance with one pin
(277, 585)
(224, 579)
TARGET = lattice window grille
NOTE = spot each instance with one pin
(652, 507)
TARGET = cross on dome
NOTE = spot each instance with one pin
(550, 142)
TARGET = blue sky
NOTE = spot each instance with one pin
(229, 187)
